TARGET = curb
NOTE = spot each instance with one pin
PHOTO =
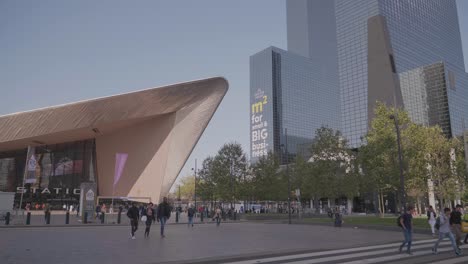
(103, 225)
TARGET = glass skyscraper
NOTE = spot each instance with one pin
(288, 91)
(423, 34)
(330, 73)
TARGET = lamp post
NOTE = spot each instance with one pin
(287, 173)
(195, 188)
(231, 166)
(400, 160)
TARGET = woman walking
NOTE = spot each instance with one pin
(431, 218)
(149, 218)
(217, 216)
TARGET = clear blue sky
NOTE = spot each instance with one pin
(55, 52)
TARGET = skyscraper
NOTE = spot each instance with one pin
(288, 91)
(406, 53)
(422, 35)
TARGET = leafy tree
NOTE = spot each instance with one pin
(379, 156)
(228, 170)
(268, 181)
(186, 187)
(330, 172)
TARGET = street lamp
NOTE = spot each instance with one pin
(400, 160)
(195, 189)
(287, 173)
(231, 174)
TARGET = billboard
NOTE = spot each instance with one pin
(259, 125)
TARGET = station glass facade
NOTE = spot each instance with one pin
(55, 177)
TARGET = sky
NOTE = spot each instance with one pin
(54, 52)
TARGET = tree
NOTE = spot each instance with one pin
(268, 182)
(223, 176)
(185, 188)
(330, 172)
(379, 156)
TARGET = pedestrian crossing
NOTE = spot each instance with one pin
(386, 253)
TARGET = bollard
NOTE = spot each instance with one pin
(28, 218)
(177, 217)
(201, 216)
(235, 216)
(119, 216)
(67, 218)
(48, 218)
(85, 217)
(7, 218)
(102, 218)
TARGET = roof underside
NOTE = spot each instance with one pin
(96, 117)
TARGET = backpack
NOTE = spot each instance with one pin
(190, 212)
(437, 223)
(399, 221)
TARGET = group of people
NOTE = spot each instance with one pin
(449, 224)
(161, 214)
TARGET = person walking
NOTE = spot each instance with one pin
(190, 214)
(406, 221)
(217, 216)
(98, 211)
(338, 218)
(164, 213)
(444, 231)
(431, 218)
(133, 214)
(46, 213)
(149, 218)
(455, 223)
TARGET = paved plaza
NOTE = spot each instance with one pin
(231, 242)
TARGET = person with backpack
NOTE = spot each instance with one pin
(190, 214)
(149, 218)
(406, 222)
(431, 218)
(164, 213)
(133, 214)
(444, 231)
(455, 223)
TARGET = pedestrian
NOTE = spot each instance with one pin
(164, 213)
(133, 214)
(431, 218)
(98, 211)
(406, 221)
(455, 223)
(46, 212)
(190, 214)
(444, 231)
(149, 218)
(217, 216)
(338, 218)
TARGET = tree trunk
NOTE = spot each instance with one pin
(316, 204)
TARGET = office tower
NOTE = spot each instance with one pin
(424, 39)
(288, 91)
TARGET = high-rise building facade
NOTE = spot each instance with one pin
(288, 91)
(402, 52)
(421, 33)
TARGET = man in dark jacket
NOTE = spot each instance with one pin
(133, 214)
(455, 223)
(164, 213)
